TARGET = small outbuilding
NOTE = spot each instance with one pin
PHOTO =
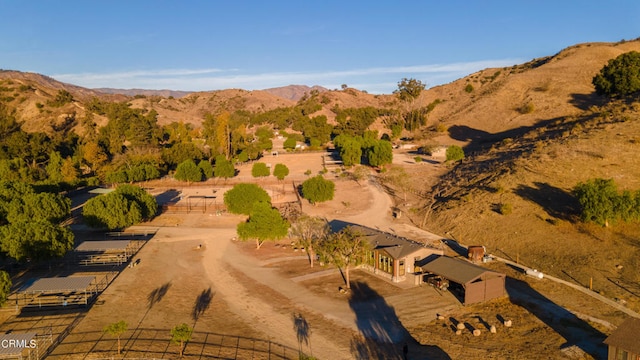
(624, 342)
(476, 283)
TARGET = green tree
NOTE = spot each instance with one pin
(206, 168)
(181, 334)
(454, 153)
(310, 231)
(147, 203)
(111, 211)
(264, 223)
(38, 206)
(280, 171)
(260, 170)
(240, 199)
(37, 240)
(344, 249)
(620, 77)
(350, 152)
(597, 198)
(223, 168)
(289, 144)
(180, 152)
(116, 329)
(5, 286)
(188, 171)
(380, 153)
(409, 89)
(62, 97)
(126, 206)
(318, 189)
(69, 170)
(54, 167)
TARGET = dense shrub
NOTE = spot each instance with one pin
(454, 153)
(318, 189)
(240, 199)
(620, 77)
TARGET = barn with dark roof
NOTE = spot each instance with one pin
(476, 283)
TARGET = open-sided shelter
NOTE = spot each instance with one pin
(478, 283)
(59, 291)
(105, 251)
(624, 342)
(29, 345)
(394, 257)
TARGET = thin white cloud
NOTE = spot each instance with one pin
(375, 80)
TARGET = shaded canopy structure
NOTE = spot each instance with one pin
(28, 345)
(478, 283)
(60, 291)
(105, 251)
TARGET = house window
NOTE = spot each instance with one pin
(416, 268)
(401, 268)
(371, 258)
(622, 354)
(385, 264)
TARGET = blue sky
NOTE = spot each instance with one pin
(369, 45)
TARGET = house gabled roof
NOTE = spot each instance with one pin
(397, 247)
(459, 271)
(626, 336)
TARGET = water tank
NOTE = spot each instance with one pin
(535, 273)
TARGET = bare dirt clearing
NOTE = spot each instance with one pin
(241, 300)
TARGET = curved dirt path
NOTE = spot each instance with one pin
(220, 257)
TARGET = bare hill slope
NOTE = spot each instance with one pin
(515, 196)
(520, 96)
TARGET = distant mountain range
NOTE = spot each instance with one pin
(290, 92)
(133, 92)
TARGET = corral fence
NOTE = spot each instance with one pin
(156, 344)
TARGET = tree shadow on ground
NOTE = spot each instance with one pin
(156, 295)
(168, 196)
(585, 101)
(203, 301)
(382, 335)
(574, 330)
(303, 331)
(556, 202)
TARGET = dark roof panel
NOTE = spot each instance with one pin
(59, 284)
(626, 336)
(459, 271)
(397, 247)
(103, 245)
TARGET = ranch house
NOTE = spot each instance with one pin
(395, 258)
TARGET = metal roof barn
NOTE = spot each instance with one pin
(479, 284)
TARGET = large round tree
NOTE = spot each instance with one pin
(264, 223)
(620, 77)
(318, 189)
(126, 206)
(240, 199)
(188, 171)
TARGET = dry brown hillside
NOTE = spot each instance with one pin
(514, 194)
(509, 98)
